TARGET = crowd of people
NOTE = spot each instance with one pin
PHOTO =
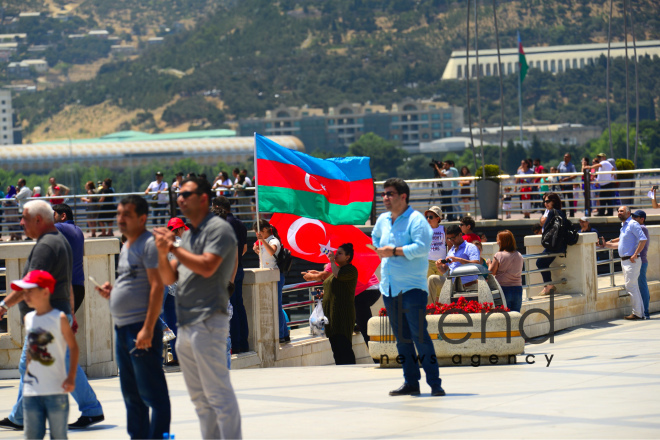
(457, 194)
(185, 280)
(100, 203)
(603, 186)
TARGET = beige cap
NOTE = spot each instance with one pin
(435, 210)
(601, 155)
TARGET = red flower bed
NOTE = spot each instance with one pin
(462, 305)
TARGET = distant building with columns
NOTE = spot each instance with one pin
(548, 59)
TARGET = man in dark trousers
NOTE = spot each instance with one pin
(136, 300)
(238, 324)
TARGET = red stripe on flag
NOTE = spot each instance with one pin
(272, 173)
(520, 49)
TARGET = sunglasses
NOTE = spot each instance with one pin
(186, 194)
(452, 238)
(388, 193)
(432, 217)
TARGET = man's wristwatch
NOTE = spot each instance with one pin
(394, 251)
(3, 305)
(176, 244)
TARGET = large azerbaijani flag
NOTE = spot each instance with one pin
(522, 60)
(337, 191)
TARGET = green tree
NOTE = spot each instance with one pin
(385, 155)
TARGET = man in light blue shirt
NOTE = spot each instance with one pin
(461, 253)
(402, 237)
(630, 244)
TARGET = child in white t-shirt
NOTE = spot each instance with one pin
(46, 383)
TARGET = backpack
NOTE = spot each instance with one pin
(284, 259)
(558, 234)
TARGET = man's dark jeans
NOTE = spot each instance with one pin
(238, 325)
(607, 191)
(447, 206)
(407, 314)
(143, 383)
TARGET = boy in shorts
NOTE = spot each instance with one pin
(47, 383)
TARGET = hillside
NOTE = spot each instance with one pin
(256, 54)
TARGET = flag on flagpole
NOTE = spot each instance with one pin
(338, 191)
(306, 238)
(522, 60)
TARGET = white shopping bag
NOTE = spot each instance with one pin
(318, 320)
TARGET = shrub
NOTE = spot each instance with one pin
(492, 171)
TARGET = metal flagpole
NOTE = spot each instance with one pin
(520, 101)
(256, 195)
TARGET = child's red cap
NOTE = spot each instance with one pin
(35, 278)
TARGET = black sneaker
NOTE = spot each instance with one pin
(285, 340)
(8, 424)
(86, 421)
(406, 390)
(438, 391)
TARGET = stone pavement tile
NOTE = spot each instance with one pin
(603, 382)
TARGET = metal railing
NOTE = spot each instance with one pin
(610, 262)
(88, 211)
(526, 272)
(631, 187)
(313, 288)
(91, 214)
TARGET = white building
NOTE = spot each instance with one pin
(6, 121)
(99, 33)
(548, 59)
(10, 38)
(25, 67)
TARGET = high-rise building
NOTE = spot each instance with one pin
(408, 123)
(6, 118)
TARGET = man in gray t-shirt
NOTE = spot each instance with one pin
(205, 259)
(135, 303)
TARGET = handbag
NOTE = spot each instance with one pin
(318, 320)
(155, 196)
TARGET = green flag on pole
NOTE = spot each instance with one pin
(524, 67)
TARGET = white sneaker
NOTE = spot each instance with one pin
(168, 335)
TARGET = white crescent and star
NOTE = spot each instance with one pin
(308, 182)
(295, 227)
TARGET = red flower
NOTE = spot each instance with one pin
(462, 305)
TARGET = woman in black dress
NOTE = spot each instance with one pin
(553, 207)
(108, 207)
(339, 304)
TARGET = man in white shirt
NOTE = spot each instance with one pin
(159, 190)
(23, 194)
(607, 185)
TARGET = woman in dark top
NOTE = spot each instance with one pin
(553, 206)
(108, 207)
(339, 304)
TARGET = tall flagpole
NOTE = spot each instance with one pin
(256, 193)
(520, 101)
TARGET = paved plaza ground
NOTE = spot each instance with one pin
(603, 382)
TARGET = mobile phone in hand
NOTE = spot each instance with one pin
(655, 187)
(91, 278)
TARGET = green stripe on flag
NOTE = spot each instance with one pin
(310, 205)
(524, 67)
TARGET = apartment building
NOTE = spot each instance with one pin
(408, 123)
